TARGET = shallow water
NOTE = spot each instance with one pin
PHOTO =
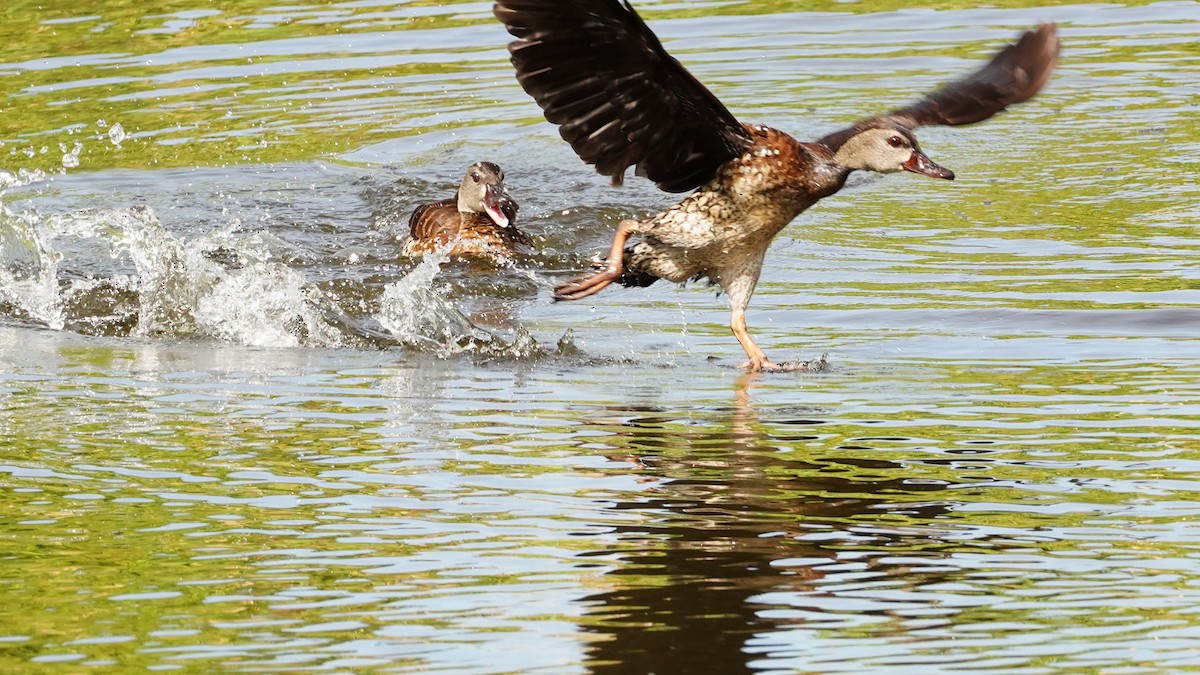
(243, 434)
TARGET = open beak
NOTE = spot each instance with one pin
(920, 163)
(494, 201)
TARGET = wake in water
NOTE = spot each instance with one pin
(120, 272)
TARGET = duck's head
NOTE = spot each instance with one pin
(483, 191)
(887, 149)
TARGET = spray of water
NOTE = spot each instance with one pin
(120, 271)
(28, 263)
(28, 272)
(180, 290)
(177, 288)
(416, 312)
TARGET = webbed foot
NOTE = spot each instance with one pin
(765, 365)
(581, 287)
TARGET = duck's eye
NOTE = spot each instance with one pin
(896, 142)
(475, 176)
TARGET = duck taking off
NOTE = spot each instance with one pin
(621, 100)
(481, 220)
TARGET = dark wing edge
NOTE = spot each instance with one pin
(599, 72)
(1012, 76)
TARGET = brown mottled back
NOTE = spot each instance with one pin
(436, 223)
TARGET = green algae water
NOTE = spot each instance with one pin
(240, 433)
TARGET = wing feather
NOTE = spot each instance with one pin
(1012, 76)
(435, 221)
(619, 98)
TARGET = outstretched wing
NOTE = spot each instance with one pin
(618, 97)
(1013, 75)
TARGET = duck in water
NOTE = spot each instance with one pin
(480, 221)
(621, 100)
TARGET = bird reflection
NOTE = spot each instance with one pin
(735, 504)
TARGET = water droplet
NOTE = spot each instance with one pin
(116, 134)
(70, 158)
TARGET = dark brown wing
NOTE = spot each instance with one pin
(620, 99)
(1013, 75)
(437, 221)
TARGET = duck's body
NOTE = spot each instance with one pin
(436, 226)
(598, 71)
(722, 230)
(480, 221)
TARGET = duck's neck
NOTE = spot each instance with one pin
(832, 173)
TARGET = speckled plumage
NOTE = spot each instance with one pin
(722, 230)
(621, 100)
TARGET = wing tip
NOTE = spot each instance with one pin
(1038, 58)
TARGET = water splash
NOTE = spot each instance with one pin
(21, 178)
(28, 261)
(122, 272)
(419, 312)
(29, 271)
(70, 158)
(416, 312)
(170, 278)
(116, 134)
(265, 304)
(177, 288)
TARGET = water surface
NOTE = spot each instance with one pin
(243, 434)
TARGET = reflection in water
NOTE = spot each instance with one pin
(732, 511)
(434, 516)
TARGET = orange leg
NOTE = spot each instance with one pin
(758, 361)
(586, 285)
(757, 357)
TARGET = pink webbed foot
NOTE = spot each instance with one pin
(581, 287)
